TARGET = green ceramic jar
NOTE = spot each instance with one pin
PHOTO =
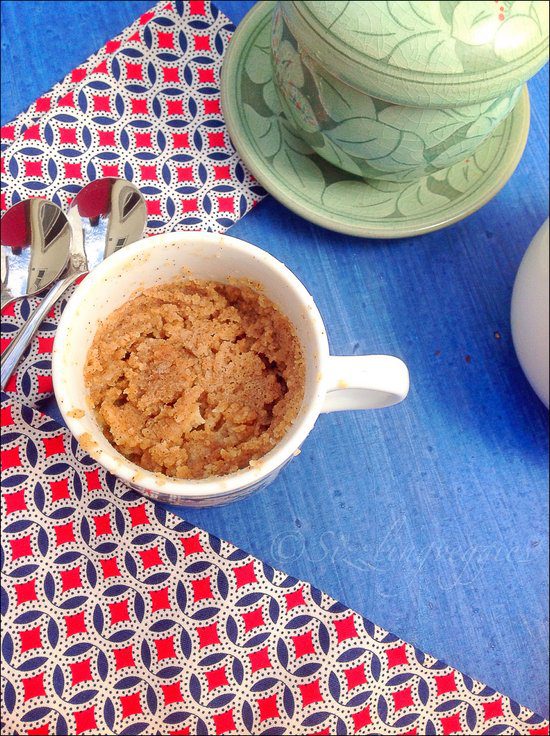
(397, 90)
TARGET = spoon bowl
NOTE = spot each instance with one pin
(36, 239)
(106, 215)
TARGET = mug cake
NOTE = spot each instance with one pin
(194, 379)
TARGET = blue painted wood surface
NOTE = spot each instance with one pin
(430, 517)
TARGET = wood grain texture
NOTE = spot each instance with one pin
(430, 517)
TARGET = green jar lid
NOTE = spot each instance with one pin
(426, 53)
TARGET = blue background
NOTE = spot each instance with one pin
(430, 518)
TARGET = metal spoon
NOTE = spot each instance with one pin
(105, 215)
(35, 237)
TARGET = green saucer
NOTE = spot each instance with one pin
(307, 184)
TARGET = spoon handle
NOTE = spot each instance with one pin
(12, 354)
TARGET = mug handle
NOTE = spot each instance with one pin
(365, 382)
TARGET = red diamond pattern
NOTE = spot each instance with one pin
(268, 707)
(165, 648)
(260, 660)
(202, 589)
(160, 599)
(224, 722)
(45, 729)
(25, 592)
(397, 656)
(9, 458)
(208, 635)
(362, 719)
(85, 720)
(30, 639)
(59, 489)
(119, 611)
(402, 698)
(311, 693)
(451, 724)
(75, 623)
(150, 557)
(71, 579)
(303, 644)
(130, 704)
(15, 501)
(216, 678)
(445, 683)
(81, 671)
(124, 657)
(245, 574)
(296, 598)
(110, 568)
(33, 687)
(102, 524)
(355, 676)
(21, 547)
(253, 619)
(138, 515)
(172, 693)
(64, 533)
(345, 628)
(493, 709)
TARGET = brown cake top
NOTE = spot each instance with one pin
(196, 378)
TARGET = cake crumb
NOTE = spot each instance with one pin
(86, 442)
(76, 413)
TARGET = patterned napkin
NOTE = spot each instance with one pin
(118, 617)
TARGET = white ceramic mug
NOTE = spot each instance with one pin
(332, 383)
